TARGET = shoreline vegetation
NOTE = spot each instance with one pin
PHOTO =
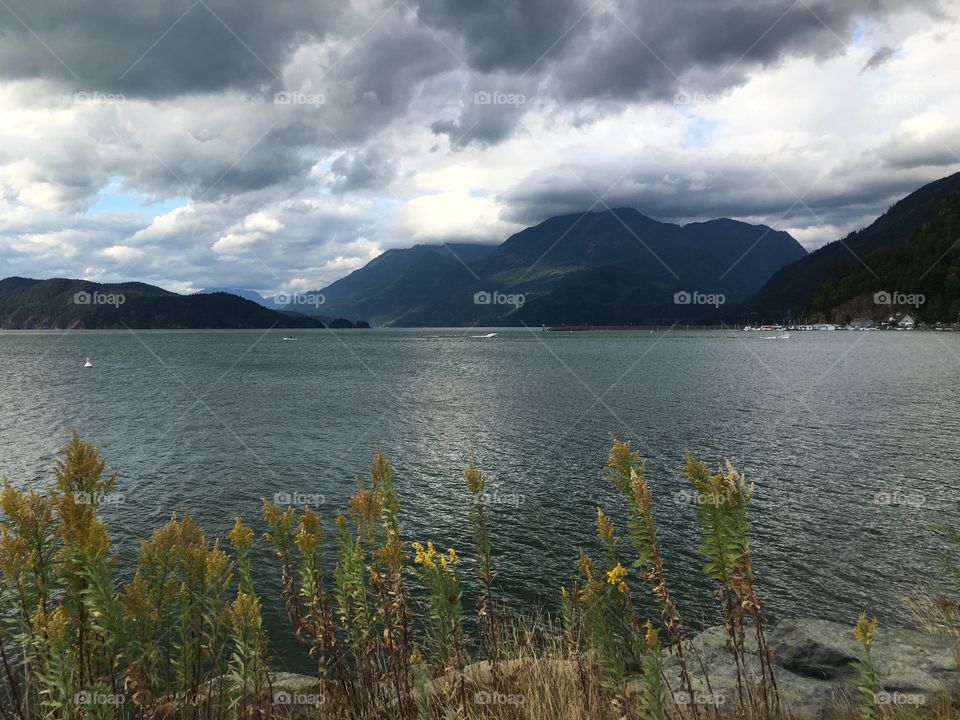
(387, 625)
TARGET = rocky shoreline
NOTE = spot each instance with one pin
(812, 667)
(811, 660)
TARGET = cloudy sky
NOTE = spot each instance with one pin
(279, 145)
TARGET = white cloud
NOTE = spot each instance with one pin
(295, 196)
(122, 253)
(453, 214)
(230, 243)
(262, 222)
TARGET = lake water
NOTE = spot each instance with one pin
(851, 439)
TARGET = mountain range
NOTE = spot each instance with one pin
(919, 276)
(62, 303)
(612, 267)
(620, 267)
(615, 267)
(791, 290)
(251, 295)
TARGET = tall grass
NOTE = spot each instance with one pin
(387, 625)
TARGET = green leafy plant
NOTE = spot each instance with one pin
(863, 666)
(439, 574)
(611, 625)
(184, 638)
(247, 668)
(487, 613)
(721, 505)
(625, 471)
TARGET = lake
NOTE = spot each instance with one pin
(851, 438)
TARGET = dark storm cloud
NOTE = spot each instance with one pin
(491, 108)
(374, 83)
(211, 149)
(843, 197)
(728, 191)
(168, 47)
(200, 124)
(640, 49)
(631, 51)
(367, 169)
(881, 56)
(161, 47)
(937, 149)
(644, 51)
(571, 49)
(504, 34)
(212, 145)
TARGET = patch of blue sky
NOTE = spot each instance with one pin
(859, 30)
(113, 199)
(700, 131)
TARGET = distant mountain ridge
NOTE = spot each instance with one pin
(919, 276)
(792, 288)
(361, 285)
(246, 294)
(64, 303)
(611, 267)
(616, 267)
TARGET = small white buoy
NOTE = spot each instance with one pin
(88, 363)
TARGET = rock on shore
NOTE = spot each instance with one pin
(811, 665)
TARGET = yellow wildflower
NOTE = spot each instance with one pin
(652, 636)
(604, 527)
(619, 462)
(590, 594)
(272, 513)
(308, 533)
(245, 613)
(641, 493)
(241, 537)
(616, 577)
(474, 479)
(392, 551)
(865, 630)
(585, 565)
(15, 553)
(448, 561)
(54, 625)
(365, 508)
(426, 557)
(217, 566)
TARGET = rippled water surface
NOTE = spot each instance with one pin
(851, 438)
